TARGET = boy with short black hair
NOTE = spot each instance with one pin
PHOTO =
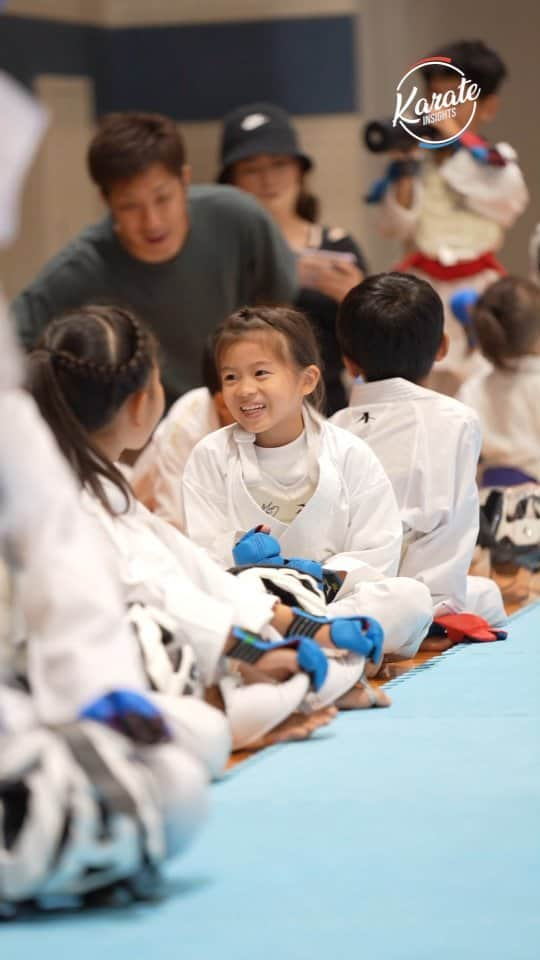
(454, 206)
(390, 329)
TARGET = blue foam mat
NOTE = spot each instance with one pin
(407, 833)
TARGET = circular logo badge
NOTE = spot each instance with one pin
(422, 114)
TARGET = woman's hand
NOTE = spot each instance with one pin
(332, 277)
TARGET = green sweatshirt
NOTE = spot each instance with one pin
(233, 255)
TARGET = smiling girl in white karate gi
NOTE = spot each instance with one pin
(319, 491)
(96, 381)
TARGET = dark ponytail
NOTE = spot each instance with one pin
(85, 366)
(307, 205)
(506, 320)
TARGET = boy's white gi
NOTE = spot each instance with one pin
(508, 405)
(429, 446)
(157, 474)
(350, 524)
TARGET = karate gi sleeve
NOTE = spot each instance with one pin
(396, 221)
(79, 644)
(205, 507)
(441, 558)
(157, 476)
(373, 540)
(496, 192)
(207, 600)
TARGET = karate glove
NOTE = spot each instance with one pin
(311, 658)
(256, 547)
(129, 713)
(465, 628)
(361, 635)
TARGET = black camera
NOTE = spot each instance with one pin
(380, 136)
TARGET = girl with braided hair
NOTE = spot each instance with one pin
(95, 377)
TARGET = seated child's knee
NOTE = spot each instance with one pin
(182, 781)
(201, 729)
(414, 608)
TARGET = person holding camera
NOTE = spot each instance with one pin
(261, 155)
(453, 205)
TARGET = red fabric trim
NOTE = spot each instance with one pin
(457, 271)
(471, 140)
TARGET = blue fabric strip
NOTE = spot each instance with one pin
(195, 71)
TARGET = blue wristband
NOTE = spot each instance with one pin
(311, 567)
(130, 713)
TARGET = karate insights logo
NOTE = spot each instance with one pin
(419, 115)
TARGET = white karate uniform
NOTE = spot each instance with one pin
(460, 211)
(79, 645)
(508, 405)
(157, 474)
(351, 523)
(429, 445)
(161, 567)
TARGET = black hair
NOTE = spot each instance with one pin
(391, 325)
(479, 63)
(506, 320)
(85, 366)
(289, 328)
(128, 144)
(210, 376)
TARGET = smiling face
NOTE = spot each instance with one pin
(275, 180)
(264, 390)
(150, 214)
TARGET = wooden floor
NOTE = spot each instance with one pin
(518, 587)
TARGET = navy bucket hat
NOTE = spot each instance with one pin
(258, 128)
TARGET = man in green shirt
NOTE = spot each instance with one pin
(182, 258)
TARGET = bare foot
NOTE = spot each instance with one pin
(363, 696)
(436, 645)
(298, 726)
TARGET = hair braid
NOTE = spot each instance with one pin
(87, 364)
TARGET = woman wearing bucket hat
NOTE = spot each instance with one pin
(261, 155)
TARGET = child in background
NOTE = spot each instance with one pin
(506, 323)
(391, 333)
(320, 492)
(157, 474)
(96, 380)
(455, 209)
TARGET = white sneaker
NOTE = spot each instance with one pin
(256, 708)
(343, 673)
